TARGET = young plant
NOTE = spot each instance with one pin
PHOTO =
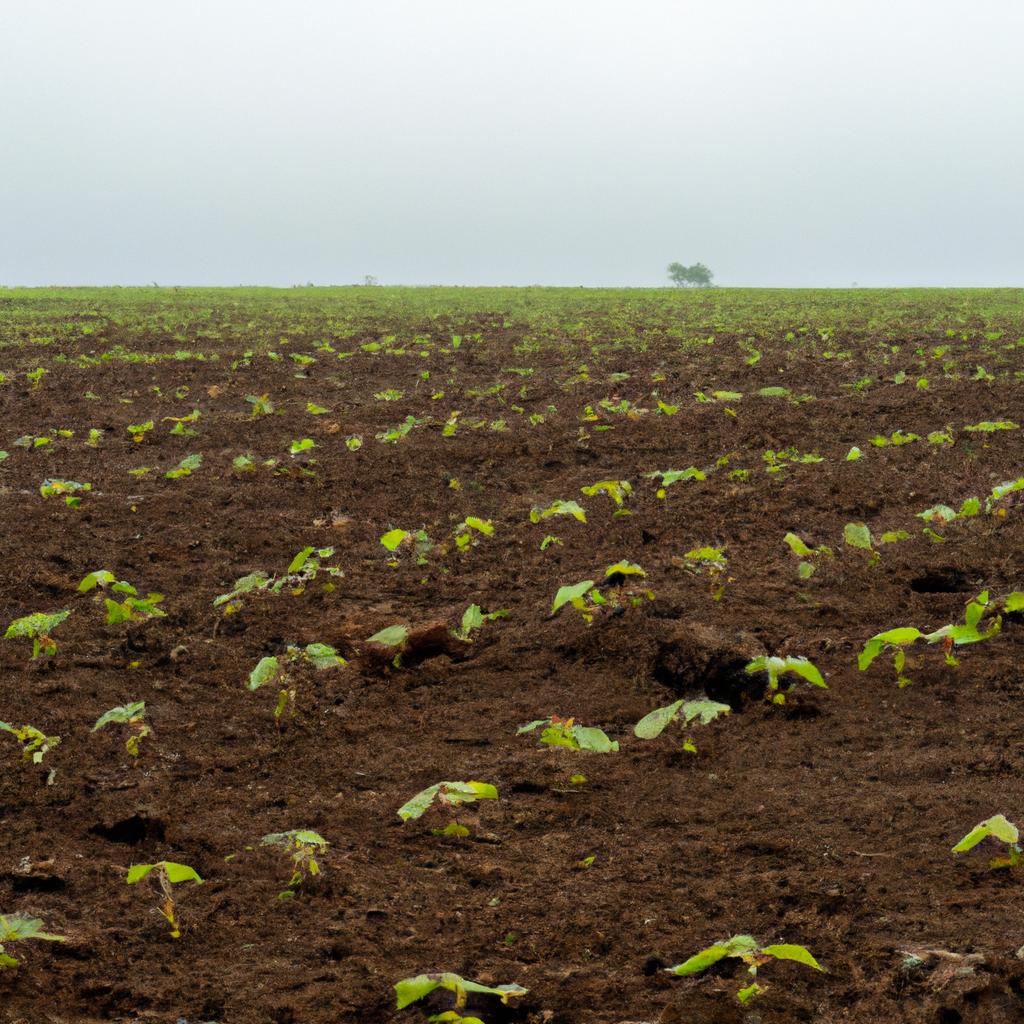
(998, 827)
(752, 953)
(710, 562)
(138, 431)
(166, 874)
(563, 732)
(806, 554)
(276, 670)
(17, 928)
(776, 667)
(671, 476)
(583, 596)
(411, 990)
(892, 639)
(465, 532)
(968, 632)
(655, 722)
(37, 627)
(305, 846)
(617, 490)
(70, 490)
(557, 508)
(133, 715)
(132, 608)
(186, 467)
(450, 795)
(474, 618)
(35, 745)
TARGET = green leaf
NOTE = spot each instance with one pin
(484, 526)
(857, 535)
(390, 636)
(1014, 602)
(410, 990)
(122, 714)
(137, 872)
(706, 710)
(393, 538)
(789, 951)
(570, 593)
(414, 808)
(180, 873)
(798, 547)
(998, 825)
(299, 560)
(266, 671)
(624, 568)
(99, 578)
(594, 739)
(655, 722)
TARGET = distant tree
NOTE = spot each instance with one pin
(370, 281)
(697, 276)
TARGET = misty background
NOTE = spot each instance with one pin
(784, 143)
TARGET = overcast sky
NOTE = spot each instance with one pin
(781, 142)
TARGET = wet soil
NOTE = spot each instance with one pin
(826, 822)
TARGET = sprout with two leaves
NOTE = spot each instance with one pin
(132, 608)
(37, 627)
(166, 874)
(563, 732)
(18, 927)
(752, 953)
(35, 744)
(451, 795)
(653, 724)
(998, 827)
(411, 990)
(134, 716)
(305, 846)
(777, 667)
(275, 670)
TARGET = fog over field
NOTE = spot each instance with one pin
(793, 143)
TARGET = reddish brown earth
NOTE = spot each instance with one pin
(827, 822)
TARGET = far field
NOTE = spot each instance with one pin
(740, 475)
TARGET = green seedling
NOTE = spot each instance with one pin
(304, 444)
(998, 827)
(450, 795)
(891, 640)
(465, 532)
(563, 732)
(710, 562)
(777, 667)
(655, 722)
(276, 670)
(411, 990)
(617, 490)
(752, 953)
(419, 543)
(805, 553)
(395, 434)
(70, 490)
(474, 618)
(186, 467)
(37, 628)
(139, 431)
(671, 476)
(35, 745)
(261, 405)
(967, 632)
(305, 846)
(302, 570)
(17, 928)
(558, 508)
(1001, 491)
(166, 874)
(132, 608)
(134, 716)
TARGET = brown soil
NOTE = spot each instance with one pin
(827, 822)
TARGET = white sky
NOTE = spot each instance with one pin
(782, 142)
